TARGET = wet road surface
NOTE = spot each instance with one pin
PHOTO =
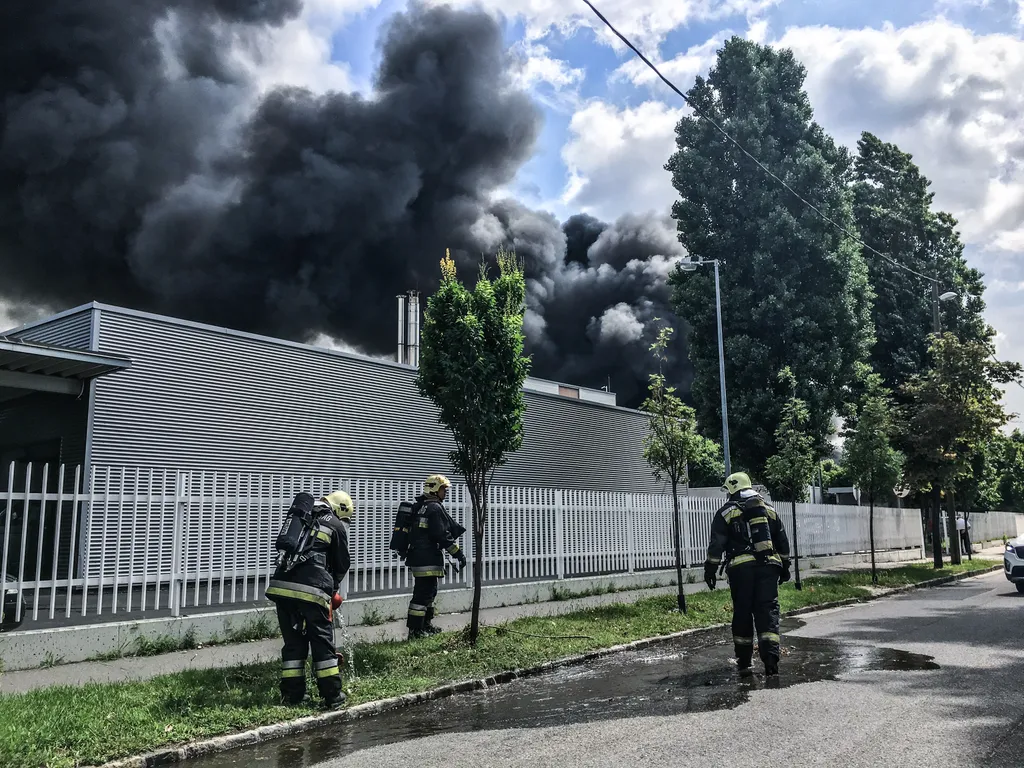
(936, 675)
(689, 675)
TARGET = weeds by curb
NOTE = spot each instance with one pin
(265, 733)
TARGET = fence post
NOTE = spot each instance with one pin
(177, 535)
(687, 530)
(559, 535)
(630, 507)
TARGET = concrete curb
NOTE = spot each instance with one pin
(269, 732)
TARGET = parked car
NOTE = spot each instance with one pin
(8, 620)
(1013, 562)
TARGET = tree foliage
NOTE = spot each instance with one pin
(1008, 455)
(671, 437)
(792, 468)
(707, 463)
(472, 367)
(869, 456)
(794, 288)
(955, 409)
(893, 213)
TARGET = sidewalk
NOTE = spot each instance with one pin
(145, 667)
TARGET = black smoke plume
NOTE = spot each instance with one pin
(140, 166)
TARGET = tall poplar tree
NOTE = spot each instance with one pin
(794, 288)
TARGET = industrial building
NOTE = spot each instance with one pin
(101, 385)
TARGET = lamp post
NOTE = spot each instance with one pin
(936, 499)
(691, 266)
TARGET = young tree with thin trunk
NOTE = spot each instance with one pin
(793, 467)
(472, 367)
(871, 460)
(670, 442)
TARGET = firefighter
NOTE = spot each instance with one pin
(305, 597)
(433, 533)
(749, 534)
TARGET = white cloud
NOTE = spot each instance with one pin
(681, 70)
(616, 158)
(645, 22)
(950, 97)
(300, 52)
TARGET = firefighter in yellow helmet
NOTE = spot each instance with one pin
(748, 534)
(433, 532)
(305, 587)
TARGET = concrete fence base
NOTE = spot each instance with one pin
(33, 648)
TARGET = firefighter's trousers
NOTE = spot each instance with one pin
(421, 606)
(755, 602)
(307, 626)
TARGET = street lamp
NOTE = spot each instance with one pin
(691, 266)
(936, 298)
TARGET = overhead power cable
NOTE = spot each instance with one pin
(757, 162)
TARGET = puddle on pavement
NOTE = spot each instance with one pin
(687, 675)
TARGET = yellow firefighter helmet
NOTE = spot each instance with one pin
(737, 481)
(341, 503)
(435, 483)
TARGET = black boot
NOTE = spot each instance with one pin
(771, 669)
(336, 702)
(428, 624)
(744, 666)
(416, 627)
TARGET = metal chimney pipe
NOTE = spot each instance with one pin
(414, 329)
(401, 328)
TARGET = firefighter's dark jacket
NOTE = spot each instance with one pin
(432, 531)
(746, 531)
(318, 578)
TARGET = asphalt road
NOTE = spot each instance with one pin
(858, 689)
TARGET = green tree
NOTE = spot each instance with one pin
(794, 287)
(1009, 457)
(870, 458)
(955, 410)
(792, 468)
(977, 490)
(892, 205)
(472, 367)
(670, 441)
(707, 464)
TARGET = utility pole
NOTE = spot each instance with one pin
(691, 266)
(721, 376)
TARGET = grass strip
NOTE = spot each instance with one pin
(68, 726)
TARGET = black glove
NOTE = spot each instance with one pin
(461, 557)
(785, 572)
(709, 575)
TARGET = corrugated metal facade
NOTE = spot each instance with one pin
(72, 329)
(205, 398)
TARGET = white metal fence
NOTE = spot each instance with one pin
(130, 540)
(992, 526)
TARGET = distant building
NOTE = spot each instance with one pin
(99, 385)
